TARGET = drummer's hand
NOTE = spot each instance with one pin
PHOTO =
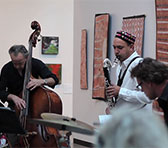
(33, 83)
(112, 91)
(19, 102)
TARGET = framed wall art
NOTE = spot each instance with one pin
(57, 70)
(101, 33)
(50, 45)
(83, 68)
(161, 39)
(135, 26)
(162, 30)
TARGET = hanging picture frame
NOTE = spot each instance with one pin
(101, 34)
(161, 30)
(50, 45)
(135, 25)
(57, 70)
(83, 66)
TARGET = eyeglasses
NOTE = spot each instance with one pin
(119, 47)
(139, 86)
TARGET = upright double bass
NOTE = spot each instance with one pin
(38, 101)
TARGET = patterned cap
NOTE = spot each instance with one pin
(129, 38)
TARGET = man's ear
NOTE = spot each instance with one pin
(151, 84)
(132, 46)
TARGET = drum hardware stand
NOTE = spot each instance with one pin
(64, 141)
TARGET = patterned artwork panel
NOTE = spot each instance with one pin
(162, 30)
(135, 26)
(101, 31)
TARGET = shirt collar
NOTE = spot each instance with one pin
(128, 60)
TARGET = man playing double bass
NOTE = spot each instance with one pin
(12, 77)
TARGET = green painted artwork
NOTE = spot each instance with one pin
(50, 45)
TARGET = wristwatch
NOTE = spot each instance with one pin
(45, 82)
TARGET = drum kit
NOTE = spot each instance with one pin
(10, 124)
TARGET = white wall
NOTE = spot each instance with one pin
(56, 19)
(85, 108)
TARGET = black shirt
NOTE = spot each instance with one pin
(12, 83)
(163, 103)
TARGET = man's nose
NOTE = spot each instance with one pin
(116, 51)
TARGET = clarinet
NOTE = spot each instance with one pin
(107, 64)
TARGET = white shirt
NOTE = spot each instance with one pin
(128, 94)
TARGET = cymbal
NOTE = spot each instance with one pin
(64, 123)
(71, 124)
